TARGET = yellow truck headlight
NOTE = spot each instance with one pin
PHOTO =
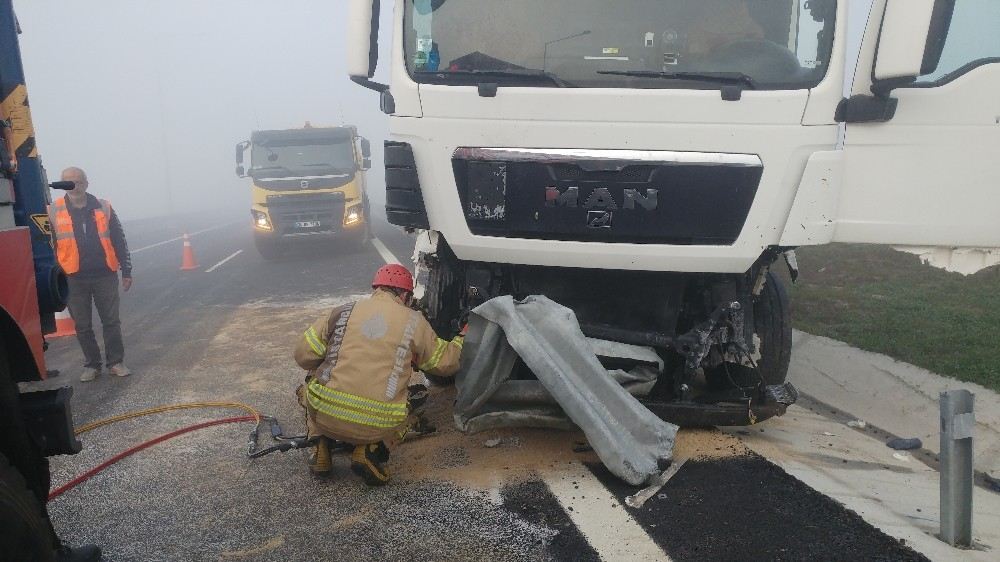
(260, 220)
(354, 215)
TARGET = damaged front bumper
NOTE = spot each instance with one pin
(708, 355)
(777, 399)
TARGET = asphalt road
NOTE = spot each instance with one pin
(226, 332)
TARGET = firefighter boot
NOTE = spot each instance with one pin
(319, 459)
(419, 424)
(368, 462)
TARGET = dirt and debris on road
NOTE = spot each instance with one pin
(486, 459)
(516, 454)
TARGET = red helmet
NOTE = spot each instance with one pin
(393, 275)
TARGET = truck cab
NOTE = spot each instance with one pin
(307, 183)
(647, 163)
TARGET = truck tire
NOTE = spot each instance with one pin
(25, 533)
(363, 239)
(773, 326)
(772, 316)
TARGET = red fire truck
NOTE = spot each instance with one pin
(33, 425)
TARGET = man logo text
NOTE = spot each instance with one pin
(601, 198)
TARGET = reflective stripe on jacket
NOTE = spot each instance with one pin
(67, 249)
(361, 356)
(355, 409)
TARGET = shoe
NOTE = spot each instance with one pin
(89, 374)
(119, 370)
(367, 461)
(319, 459)
(85, 553)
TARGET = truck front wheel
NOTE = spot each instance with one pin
(772, 315)
(25, 533)
(773, 334)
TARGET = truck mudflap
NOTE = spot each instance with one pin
(694, 414)
(49, 420)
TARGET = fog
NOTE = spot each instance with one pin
(150, 97)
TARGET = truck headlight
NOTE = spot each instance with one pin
(260, 220)
(353, 215)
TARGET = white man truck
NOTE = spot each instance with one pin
(647, 162)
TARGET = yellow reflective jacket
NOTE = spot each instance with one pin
(361, 357)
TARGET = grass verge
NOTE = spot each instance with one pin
(885, 301)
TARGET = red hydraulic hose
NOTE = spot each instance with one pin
(144, 445)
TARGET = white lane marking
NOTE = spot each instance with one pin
(597, 513)
(192, 234)
(216, 266)
(388, 256)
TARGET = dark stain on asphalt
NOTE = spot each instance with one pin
(746, 508)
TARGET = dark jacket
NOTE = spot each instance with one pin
(93, 262)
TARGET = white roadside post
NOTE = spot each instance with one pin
(957, 424)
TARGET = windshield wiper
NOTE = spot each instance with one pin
(538, 75)
(717, 77)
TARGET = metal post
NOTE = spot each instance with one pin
(957, 424)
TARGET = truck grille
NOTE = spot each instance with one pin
(290, 213)
(636, 197)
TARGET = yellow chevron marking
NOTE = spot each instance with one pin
(15, 109)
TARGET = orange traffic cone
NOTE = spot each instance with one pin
(189, 262)
(64, 326)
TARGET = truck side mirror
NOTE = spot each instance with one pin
(366, 148)
(366, 163)
(362, 38)
(910, 41)
(240, 149)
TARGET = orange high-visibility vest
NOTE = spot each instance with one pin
(67, 251)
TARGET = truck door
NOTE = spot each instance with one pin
(922, 141)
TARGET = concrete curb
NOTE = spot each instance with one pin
(896, 396)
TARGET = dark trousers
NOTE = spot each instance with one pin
(84, 294)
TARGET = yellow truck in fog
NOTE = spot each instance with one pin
(307, 184)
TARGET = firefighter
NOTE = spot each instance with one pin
(360, 359)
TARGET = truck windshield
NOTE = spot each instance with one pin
(775, 44)
(292, 158)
